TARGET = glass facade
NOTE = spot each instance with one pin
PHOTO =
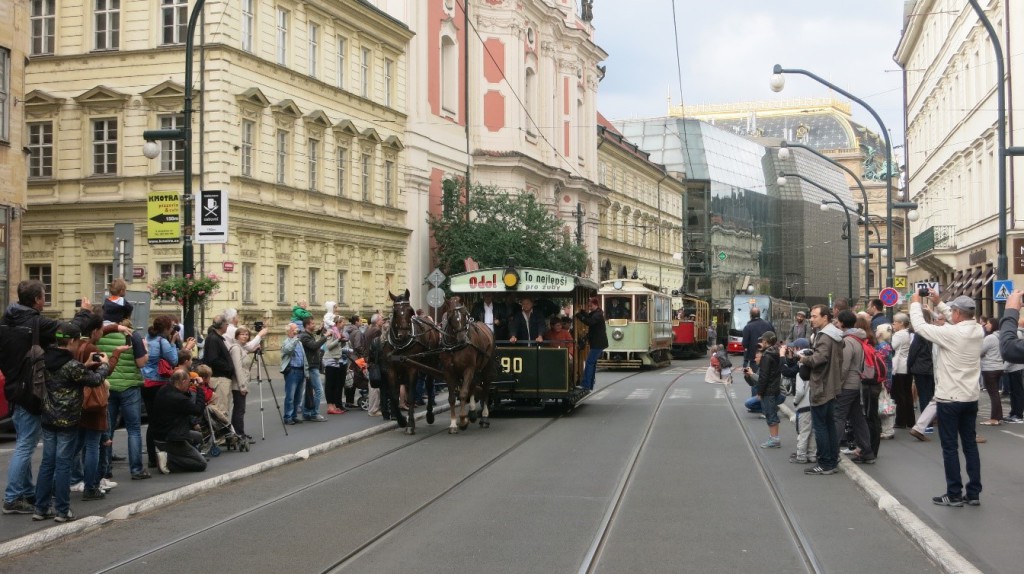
(751, 231)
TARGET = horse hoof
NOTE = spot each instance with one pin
(485, 424)
(464, 427)
(452, 431)
(472, 416)
(430, 417)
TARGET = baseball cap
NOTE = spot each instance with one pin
(769, 337)
(963, 302)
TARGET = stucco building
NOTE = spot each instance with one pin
(300, 117)
(14, 42)
(952, 159)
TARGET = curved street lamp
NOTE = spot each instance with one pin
(778, 81)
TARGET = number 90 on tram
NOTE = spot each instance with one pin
(639, 322)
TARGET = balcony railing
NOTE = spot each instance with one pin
(935, 237)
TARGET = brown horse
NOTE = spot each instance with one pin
(407, 337)
(467, 358)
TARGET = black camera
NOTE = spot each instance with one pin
(177, 328)
(258, 326)
(923, 291)
(97, 357)
(78, 303)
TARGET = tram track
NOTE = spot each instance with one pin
(802, 542)
(377, 538)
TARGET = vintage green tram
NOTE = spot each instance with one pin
(639, 318)
(528, 371)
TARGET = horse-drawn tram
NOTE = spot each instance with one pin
(538, 352)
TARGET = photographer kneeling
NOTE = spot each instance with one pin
(172, 431)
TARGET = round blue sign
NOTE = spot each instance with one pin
(889, 296)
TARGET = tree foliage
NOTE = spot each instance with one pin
(495, 226)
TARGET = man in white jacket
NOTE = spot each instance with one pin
(957, 370)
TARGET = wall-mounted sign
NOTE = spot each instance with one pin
(228, 266)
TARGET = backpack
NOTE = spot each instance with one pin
(873, 371)
(35, 366)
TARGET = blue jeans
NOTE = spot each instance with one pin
(127, 403)
(590, 368)
(86, 467)
(753, 404)
(318, 394)
(293, 387)
(823, 419)
(958, 419)
(54, 479)
(19, 471)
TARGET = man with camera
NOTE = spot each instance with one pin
(311, 346)
(172, 429)
(825, 359)
(957, 365)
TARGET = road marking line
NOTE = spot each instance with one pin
(1013, 433)
(639, 394)
(681, 394)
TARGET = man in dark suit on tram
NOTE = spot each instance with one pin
(494, 314)
(527, 325)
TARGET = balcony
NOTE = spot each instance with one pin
(935, 237)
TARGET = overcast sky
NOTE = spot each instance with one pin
(728, 48)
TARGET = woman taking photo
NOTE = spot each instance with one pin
(163, 356)
(902, 380)
(238, 347)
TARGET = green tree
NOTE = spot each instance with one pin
(495, 226)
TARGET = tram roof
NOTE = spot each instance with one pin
(531, 280)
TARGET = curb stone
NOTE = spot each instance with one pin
(929, 541)
(48, 536)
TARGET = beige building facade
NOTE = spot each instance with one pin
(14, 42)
(299, 117)
(951, 145)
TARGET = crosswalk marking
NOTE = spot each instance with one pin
(681, 394)
(640, 394)
(720, 393)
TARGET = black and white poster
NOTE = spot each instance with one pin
(212, 216)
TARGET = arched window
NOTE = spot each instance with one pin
(530, 95)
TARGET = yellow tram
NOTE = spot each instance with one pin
(639, 322)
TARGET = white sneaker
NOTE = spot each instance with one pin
(107, 484)
(161, 462)
(78, 487)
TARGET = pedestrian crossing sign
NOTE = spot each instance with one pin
(1001, 290)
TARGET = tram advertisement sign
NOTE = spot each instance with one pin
(529, 280)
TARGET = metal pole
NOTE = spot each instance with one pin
(188, 260)
(1001, 263)
(888, 161)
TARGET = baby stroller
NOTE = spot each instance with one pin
(217, 432)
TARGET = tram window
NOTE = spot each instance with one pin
(641, 311)
(617, 307)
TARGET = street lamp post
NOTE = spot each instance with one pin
(846, 211)
(778, 82)
(184, 134)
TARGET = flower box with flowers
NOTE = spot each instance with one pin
(182, 290)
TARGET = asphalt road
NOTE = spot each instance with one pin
(534, 493)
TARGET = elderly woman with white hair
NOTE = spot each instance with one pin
(902, 381)
(883, 346)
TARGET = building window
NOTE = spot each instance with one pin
(40, 149)
(248, 131)
(313, 149)
(104, 147)
(248, 24)
(389, 81)
(282, 154)
(314, 48)
(282, 284)
(341, 287)
(342, 164)
(389, 182)
(364, 73)
(172, 152)
(282, 37)
(108, 24)
(530, 95)
(248, 273)
(102, 275)
(5, 95)
(365, 165)
(342, 50)
(42, 274)
(174, 20)
(44, 23)
(449, 75)
(314, 288)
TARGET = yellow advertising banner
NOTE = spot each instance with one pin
(163, 217)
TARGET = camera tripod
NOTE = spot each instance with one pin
(260, 365)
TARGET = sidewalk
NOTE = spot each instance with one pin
(19, 533)
(910, 472)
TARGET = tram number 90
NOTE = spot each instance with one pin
(512, 364)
